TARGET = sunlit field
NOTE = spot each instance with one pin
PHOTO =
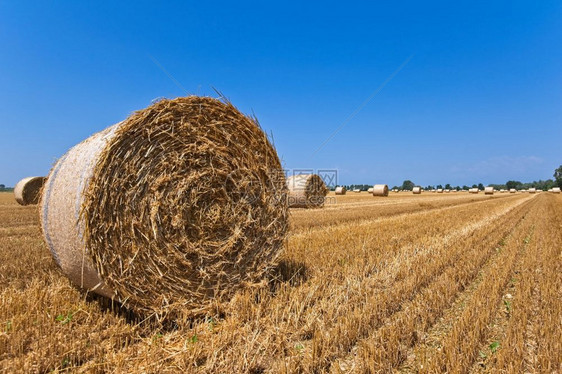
(453, 282)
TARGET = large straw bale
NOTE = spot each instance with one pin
(173, 209)
(417, 190)
(306, 191)
(28, 190)
(556, 189)
(489, 190)
(380, 190)
(532, 190)
(340, 190)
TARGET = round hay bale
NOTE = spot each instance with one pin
(306, 191)
(473, 190)
(357, 190)
(28, 190)
(380, 190)
(447, 190)
(417, 190)
(340, 190)
(370, 190)
(439, 190)
(512, 190)
(170, 211)
(532, 190)
(556, 189)
(489, 190)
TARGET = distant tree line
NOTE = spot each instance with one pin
(3, 188)
(545, 185)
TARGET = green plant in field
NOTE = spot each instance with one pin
(64, 318)
(507, 305)
(494, 346)
(211, 323)
(8, 327)
(193, 339)
(65, 363)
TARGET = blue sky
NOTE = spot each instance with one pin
(479, 100)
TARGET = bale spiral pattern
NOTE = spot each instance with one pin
(184, 203)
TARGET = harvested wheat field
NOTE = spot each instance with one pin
(409, 283)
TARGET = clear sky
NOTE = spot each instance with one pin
(478, 101)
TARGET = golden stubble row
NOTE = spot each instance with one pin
(445, 274)
(370, 207)
(532, 340)
(459, 346)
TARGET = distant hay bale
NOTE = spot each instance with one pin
(446, 190)
(473, 190)
(394, 190)
(532, 190)
(340, 190)
(356, 190)
(306, 191)
(489, 190)
(380, 190)
(556, 189)
(170, 211)
(370, 190)
(439, 190)
(416, 190)
(28, 190)
(512, 190)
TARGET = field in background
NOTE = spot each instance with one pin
(427, 283)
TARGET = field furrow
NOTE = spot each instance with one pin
(371, 208)
(455, 349)
(387, 347)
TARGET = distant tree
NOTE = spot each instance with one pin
(439, 187)
(558, 176)
(480, 186)
(474, 186)
(465, 187)
(448, 187)
(429, 187)
(2, 187)
(395, 187)
(408, 185)
(513, 184)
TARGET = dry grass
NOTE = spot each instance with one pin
(362, 286)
